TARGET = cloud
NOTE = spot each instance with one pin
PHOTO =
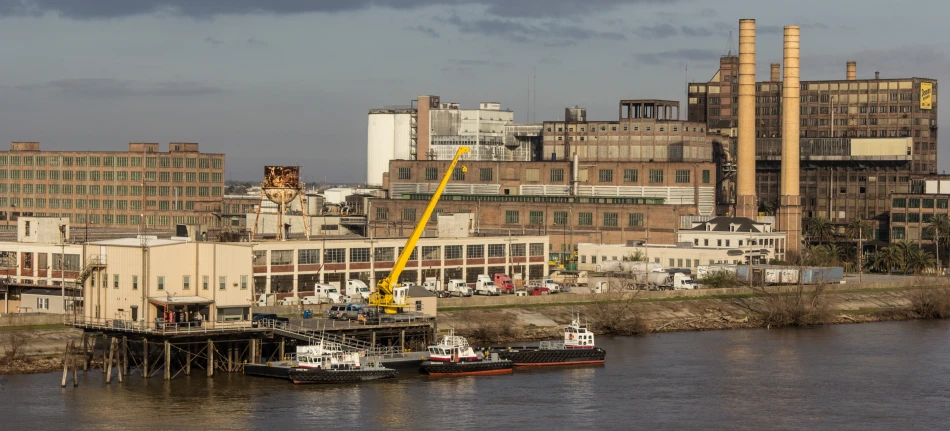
(108, 88)
(428, 31)
(659, 31)
(213, 41)
(109, 9)
(679, 55)
(549, 32)
(921, 60)
(252, 41)
(699, 31)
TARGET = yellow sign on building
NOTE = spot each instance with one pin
(926, 95)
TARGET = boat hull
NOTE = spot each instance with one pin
(309, 375)
(527, 357)
(477, 368)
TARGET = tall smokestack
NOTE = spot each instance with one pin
(790, 211)
(852, 70)
(746, 203)
(776, 70)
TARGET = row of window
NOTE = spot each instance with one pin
(719, 242)
(613, 128)
(95, 204)
(537, 218)
(388, 254)
(918, 203)
(558, 175)
(113, 161)
(124, 219)
(134, 176)
(69, 189)
(160, 282)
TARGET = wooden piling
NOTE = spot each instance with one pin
(66, 363)
(105, 343)
(85, 352)
(188, 360)
(282, 342)
(125, 356)
(145, 357)
(111, 353)
(230, 356)
(210, 358)
(402, 341)
(74, 365)
(168, 360)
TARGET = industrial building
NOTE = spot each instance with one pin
(860, 140)
(913, 212)
(430, 129)
(139, 188)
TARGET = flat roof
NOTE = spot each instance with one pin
(137, 242)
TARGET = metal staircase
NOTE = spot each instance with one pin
(93, 263)
(315, 336)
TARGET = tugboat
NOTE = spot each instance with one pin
(330, 364)
(453, 356)
(577, 348)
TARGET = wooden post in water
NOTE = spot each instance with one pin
(188, 360)
(282, 341)
(111, 353)
(145, 357)
(66, 363)
(168, 360)
(210, 358)
(402, 341)
(125, 356)
(230, 356)
(72, 358)
(118, 358)
(85, 351)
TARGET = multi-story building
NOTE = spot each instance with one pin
(913, 212)
(608, 200)
(141, 187)
(861, 140)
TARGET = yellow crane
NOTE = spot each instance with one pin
(388, 297)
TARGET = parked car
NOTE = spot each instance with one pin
(336, 312)
(257, 317)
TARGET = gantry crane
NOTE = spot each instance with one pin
(393, 299)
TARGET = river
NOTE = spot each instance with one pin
(871, 376)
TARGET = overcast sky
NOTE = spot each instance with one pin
(290, 81)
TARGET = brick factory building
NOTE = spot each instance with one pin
(861, 139)
(112, 189)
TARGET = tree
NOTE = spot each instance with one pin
(636, 256)
(939, 229)
(768, 206)
(821, 229)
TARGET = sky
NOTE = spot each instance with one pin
(272, 82)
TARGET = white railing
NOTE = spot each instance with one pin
(158, 326)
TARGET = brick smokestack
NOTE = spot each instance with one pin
(852, 72)
(746, 202)
(776, 69)
(789, 218)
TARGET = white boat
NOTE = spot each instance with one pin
(452, 348)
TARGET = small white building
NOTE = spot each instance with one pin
(721, 240)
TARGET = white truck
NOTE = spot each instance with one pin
(266, 299)
(356, 290)
(485, 286)
(324, 294)
(457, 287)
(551, 285)
(680, 281)
(431, 284)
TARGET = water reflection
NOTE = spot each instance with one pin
(874, 376)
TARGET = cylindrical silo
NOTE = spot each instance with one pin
(380, 146)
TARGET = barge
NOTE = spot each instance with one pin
(577, 348)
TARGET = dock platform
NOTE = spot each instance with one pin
(404, 362)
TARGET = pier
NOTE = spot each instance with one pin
(147, 349)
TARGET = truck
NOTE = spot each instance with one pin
(537, 289)
(457, 287)
(551, 285)
(324, 294)
(431, 284)
(504, 283)
(356, 290)
(266, 299)
(680, 281)
(485, 286)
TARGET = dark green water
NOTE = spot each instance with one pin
(885, 376)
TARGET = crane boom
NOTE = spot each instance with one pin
(383, 297)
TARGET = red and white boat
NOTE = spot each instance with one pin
(452, 348)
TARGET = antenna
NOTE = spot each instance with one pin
(729, 44)
(534, 90)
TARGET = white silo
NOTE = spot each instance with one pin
(388, 138)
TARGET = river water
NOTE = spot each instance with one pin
(868, 376)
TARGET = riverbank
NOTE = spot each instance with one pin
(748, 308)
(34, 349)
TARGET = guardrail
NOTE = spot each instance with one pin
(158, 327)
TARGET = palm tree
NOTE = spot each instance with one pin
(887, 258)
(939, 229)
(767, 206)
(821, 229)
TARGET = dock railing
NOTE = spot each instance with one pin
(317, 335)
(158, 326)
